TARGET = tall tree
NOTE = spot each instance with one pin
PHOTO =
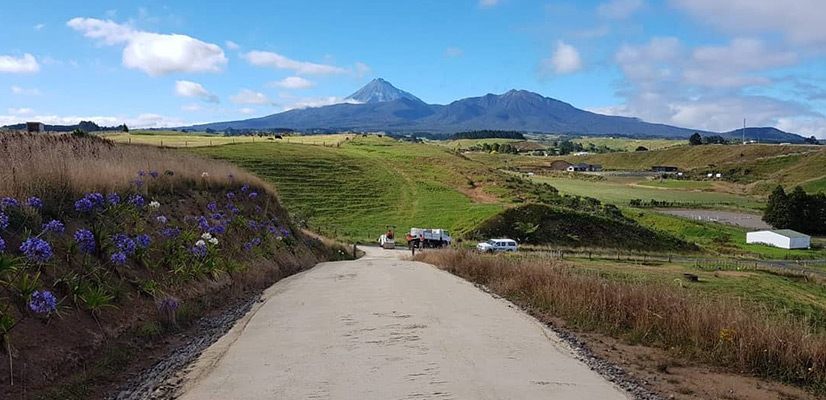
(777, 210)
(695, 139)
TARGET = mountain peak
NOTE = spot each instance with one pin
(379, 90)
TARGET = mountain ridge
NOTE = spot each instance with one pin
(380, 106)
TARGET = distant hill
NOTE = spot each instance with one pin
(380, 106)
(86, 126)
(764, 134)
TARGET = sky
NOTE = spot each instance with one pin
(702, 64)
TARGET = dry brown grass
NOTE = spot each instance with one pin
(737, 336)
(59, 166)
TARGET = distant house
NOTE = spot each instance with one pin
(663, 168)
(560, 165)
(782, 238)
(584, 168)
(35, 127)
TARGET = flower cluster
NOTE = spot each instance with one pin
(168, 304)
(8, 202)
(2, 245)
(171, 233)
(200, 249)
(54, 227)
(161, 220)
(143, 241)
(137, 200)
(124, 243)
(43, 302)
(34, 202)
(4, 221)
(90, 202)
(37, 250)
(85, 241)
(113, 198)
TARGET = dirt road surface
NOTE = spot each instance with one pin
(383, 328)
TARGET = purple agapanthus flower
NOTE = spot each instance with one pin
(171, 233)
(212, 207)
(137, 201)
(161, 219)
(137, 182)
(141, 173)
(257, 208)
(83, 205)
(153, 174)
(113, 198)
(37, 250)
(235, 211)
(202, 222)
(4, 221)
(199, 250)
(245, 188)
(168, 305)
(272, 229)
(85, 241)
(2, 245)
(54, 227)
(248, 246)
(124, 243)
(143, 241)
(231, 177)
(253, 195)
(97, 199)
(118, 258)
(8, 202)
(256, 241)
(284, 231)
(230, 195)
(217, 216)
(218, 230)
(252, 225)
(34, 202)
(43, 302)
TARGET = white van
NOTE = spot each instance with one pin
(497, 246)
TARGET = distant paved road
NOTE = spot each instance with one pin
(381, 328)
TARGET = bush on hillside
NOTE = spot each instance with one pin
(797, 210)
(557, 226)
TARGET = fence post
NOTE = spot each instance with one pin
(186, 144)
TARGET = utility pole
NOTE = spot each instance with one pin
(744, 131)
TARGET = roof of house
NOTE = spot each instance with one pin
(788, 233)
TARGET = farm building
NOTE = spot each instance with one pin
(663, 168)
(783, 238)
(584, 168)
(35, 127)
(560, 165)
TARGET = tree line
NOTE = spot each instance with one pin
(797, 210)
(488, 134)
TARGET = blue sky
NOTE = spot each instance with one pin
(704, 64)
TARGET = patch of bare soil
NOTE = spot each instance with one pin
(478, 195)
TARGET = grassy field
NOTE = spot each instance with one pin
(727, 240)
(621, 192)
(468, 143)
(177, 139)
(357, 189)
(626, 144)
(677, 184)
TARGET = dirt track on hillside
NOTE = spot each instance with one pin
(382, 328)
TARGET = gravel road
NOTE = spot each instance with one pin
(383, 328)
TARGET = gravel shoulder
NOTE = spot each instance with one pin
(380, 328)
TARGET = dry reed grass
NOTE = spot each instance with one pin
(59, 166)
(712, 330)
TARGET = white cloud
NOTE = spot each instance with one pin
(804, 126)
(564, 60)
(246, 111)
(799, 21)
(361, 70)
(192, 89)
(619, 9)
(191, 107)
(454, 52)
(39, 26)
(154, 53)
(19, 65)
(246, 96)
(278, 61)
(20, 111)
(489, 3)
(24, 91)
(593, 33)
(705, 87)
(141, 121)
(312, 102)
(293, 82)
(232, 45)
